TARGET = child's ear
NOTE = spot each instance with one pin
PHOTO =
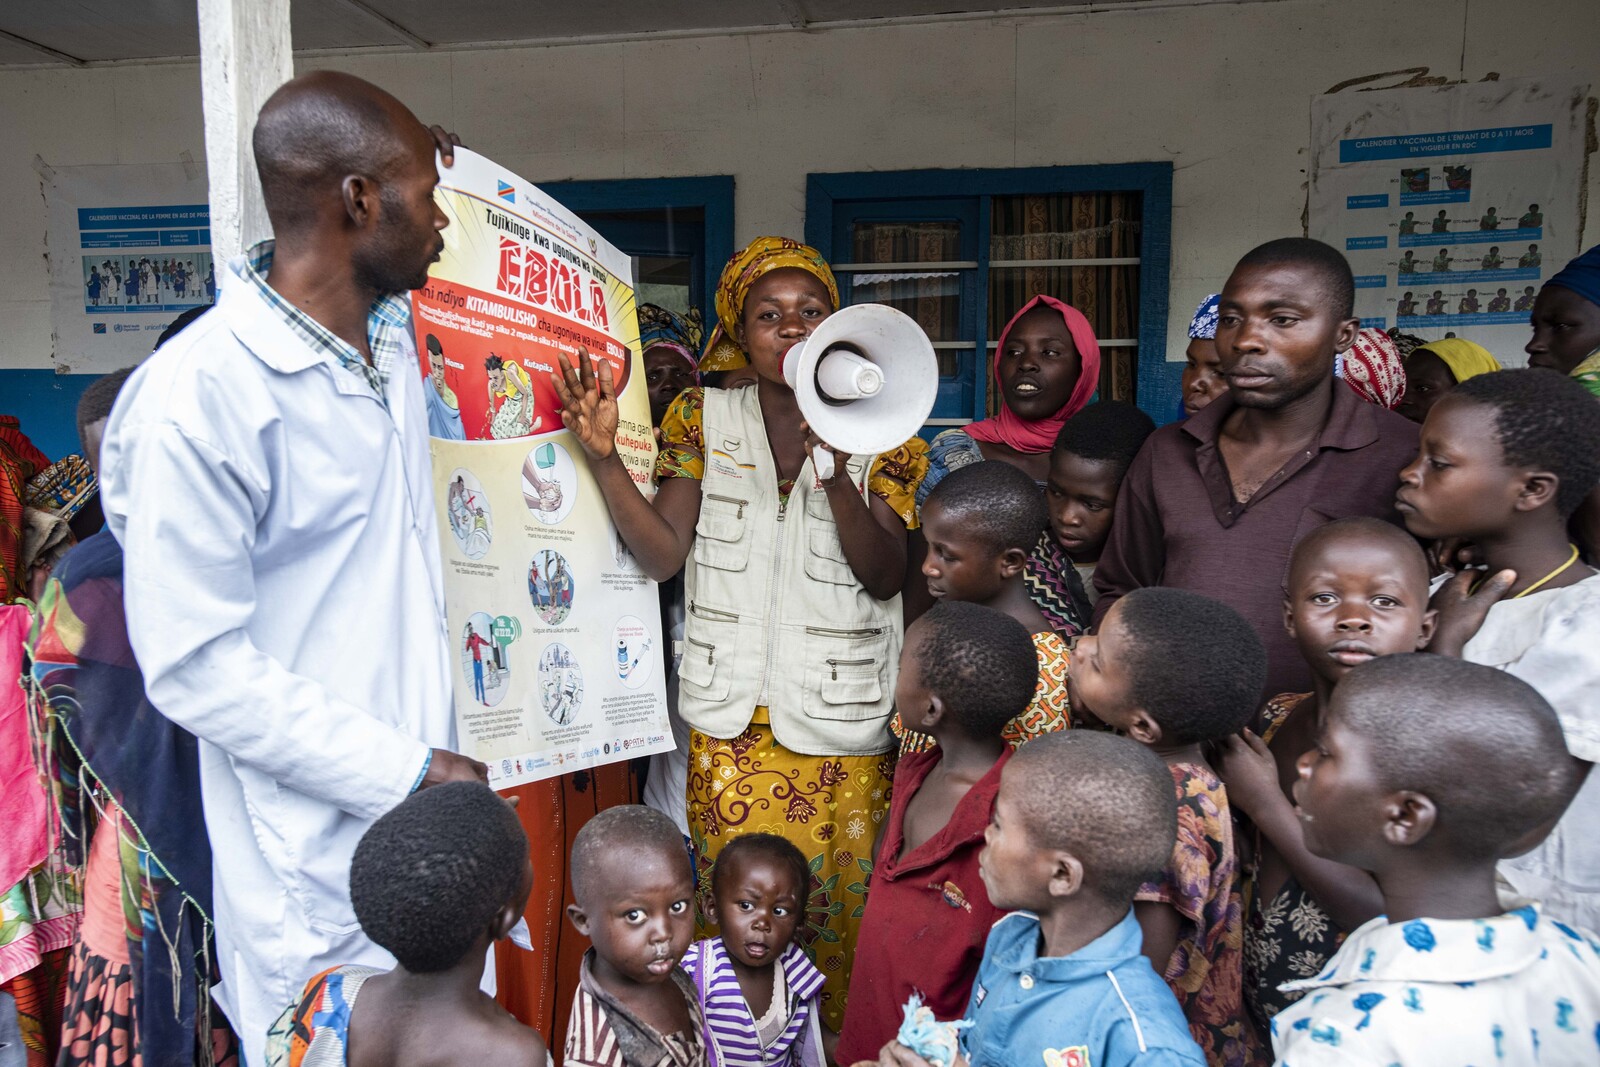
(1288, 617)
(1012, 562)
(1538, 489)
(504, 920)
(1430, 619)
(1142, 728)
(1408, 818)
(580, 920)
(1066, 875)
(933, 714)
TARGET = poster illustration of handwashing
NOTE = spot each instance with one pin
(555, 631)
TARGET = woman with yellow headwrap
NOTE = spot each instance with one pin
(1436, 367)
(793, 585)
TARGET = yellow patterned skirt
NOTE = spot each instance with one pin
(831, 807)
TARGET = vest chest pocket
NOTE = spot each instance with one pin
(825, 560)
(722, 534)
(846, 673)
(706, 669)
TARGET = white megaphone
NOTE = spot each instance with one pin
(865, 380)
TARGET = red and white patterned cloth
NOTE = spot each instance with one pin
(1374, 370)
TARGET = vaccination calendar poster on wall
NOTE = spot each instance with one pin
(1453, 204)
(556, 642)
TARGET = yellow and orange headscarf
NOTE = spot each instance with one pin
(760, 256)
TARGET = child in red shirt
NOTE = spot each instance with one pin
(965, 671)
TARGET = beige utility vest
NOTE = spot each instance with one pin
(775, 615)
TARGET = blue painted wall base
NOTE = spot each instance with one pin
(47, 404)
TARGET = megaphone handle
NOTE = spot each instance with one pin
(822, 460)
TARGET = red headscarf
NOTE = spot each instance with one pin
(1037, 436)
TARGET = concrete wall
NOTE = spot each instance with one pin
(1221, 90)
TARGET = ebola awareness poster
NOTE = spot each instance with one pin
(556, 640)
(1453, 205)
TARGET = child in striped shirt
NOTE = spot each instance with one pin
(757, 988)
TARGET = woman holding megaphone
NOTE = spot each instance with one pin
(793, 587)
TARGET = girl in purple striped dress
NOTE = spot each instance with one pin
(757, 988)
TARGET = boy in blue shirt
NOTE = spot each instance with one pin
(1473, 768)
(1081, 821)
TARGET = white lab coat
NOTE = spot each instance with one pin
(285, 602)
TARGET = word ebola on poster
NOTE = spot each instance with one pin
(1452, 204)
(555, 636)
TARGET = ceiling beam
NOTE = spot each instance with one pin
(794, 12)
(388, 24)
(44, 48)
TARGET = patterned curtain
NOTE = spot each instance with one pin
(1079, 226)
(934, 299)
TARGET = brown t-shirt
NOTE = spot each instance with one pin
(1177, 523)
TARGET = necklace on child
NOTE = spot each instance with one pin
(1552, 576)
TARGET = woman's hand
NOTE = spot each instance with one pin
(1250, 772)
(813, 442)
(588, 404)
(1462, 609)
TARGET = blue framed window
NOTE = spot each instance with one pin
(679, 232)
(961, 250)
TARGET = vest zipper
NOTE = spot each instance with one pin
(740, 504)
(837, 663)
(711, 650)
(772, 604)
(711, 613)
(823, 631)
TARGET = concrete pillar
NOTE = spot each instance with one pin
(244, 56)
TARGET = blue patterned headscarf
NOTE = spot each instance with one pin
(1204, 324)
(1582, 276)
(660, 328)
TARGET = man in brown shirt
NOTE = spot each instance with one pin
(1216, 503)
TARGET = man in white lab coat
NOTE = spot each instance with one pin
(267, 474)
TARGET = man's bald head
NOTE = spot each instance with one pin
(319, 128)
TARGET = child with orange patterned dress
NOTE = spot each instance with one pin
(1175, 671)
(980, 523)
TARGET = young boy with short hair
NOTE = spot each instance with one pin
(979, 523)
(435, 882)
(1505, 459)
(634, 900)
(1175, 671)
(1092, 453)
(965, 672)
(1428, 801)
(1081, 819)
(1357, 589)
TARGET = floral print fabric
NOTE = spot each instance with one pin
(1201, 883)
(1288, 937)
(1048, 713)
(831, 807)
(894, 476)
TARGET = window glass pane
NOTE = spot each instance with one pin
(1065, 226)
(894, 241)
(933, 298)
(664, 281)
